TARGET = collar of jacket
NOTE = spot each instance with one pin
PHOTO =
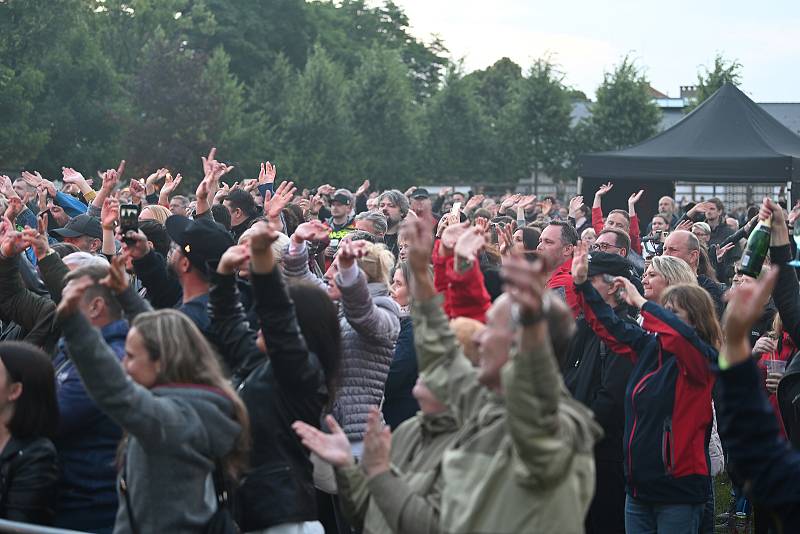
(14, 447)
(433, 424)
(115, 329)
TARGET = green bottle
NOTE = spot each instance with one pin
(756, 250)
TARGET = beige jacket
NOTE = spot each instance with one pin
(523, 462)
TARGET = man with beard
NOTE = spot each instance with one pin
(181, 281)
(394, 206)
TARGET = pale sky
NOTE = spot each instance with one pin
(670, 39)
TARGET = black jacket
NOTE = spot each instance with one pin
(597, 377)
(286, 386)
(28, 481)
(715, 290)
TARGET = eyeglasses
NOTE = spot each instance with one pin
(602, 246)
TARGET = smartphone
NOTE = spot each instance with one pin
(128, 218)
(455, 212)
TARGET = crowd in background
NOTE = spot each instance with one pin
(299, 361)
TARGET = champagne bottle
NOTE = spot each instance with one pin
(756, 249)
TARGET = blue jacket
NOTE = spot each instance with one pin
(87, 443)
(667, 400)
(759, 458)
(399, 404)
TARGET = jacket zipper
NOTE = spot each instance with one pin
(637, 389)
(667, 449)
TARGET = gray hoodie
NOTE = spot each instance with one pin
(176, 432)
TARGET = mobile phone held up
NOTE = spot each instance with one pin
(128, 219)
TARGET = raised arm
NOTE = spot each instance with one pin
(360, 310)
(448, 373)
(163, 289)
(624, 338)
(288, 352)
(597, 207)
(295, 257)
(236, 341)
(546, 435)
(636, 240)
(133, 407)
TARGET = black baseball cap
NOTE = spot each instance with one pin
(607, 263)
(420, 193)
(201, 240)
(81, 225)
(341, 198)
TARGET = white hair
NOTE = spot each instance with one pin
(82, 259)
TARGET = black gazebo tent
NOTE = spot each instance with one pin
(727, 139)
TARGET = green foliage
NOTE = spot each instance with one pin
(624, 113)
(318, 123)
(709, 81)
(538, 120)
(385, 118)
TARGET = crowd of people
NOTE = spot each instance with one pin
(297, 361)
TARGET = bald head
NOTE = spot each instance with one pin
(684, 245)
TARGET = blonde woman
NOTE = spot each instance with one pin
(665, 271)
(182, 417)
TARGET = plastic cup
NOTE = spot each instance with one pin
(775, 367)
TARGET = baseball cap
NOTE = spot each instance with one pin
(201, 240)
(342, 196)
(420, 193)
(82, 224)
(607, 263)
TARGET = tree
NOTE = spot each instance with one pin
(318, 123)
(457, 141)
(385, 119)
(495, 85)
(708, 82)
(173, 124)
(537, 122)
(624, 113)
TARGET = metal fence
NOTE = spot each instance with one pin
(734, 196)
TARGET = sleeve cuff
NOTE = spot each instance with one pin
(781, 254)
(348, 276)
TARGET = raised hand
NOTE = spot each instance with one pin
(153, 179)
(15, 207)
(745, 306)
(12, 244)
(171, 184)
(32, 179)
(525, 201)
(419, 237)
(546, 206)
(280, 198)
(721, 251)
(580, 262)
(574, 205)
(138, 190)
(470, 243)
(71, 176)
(604, 188)
(7, 188)
(135, 244)
(117, 279)
(482, 223)
(208, 162)
(629, 292)
(37, 238)
(349, 252)
(310, 231)
(524, 282)
(233, 259)
(109, 214)
(684, 225)
(267, 173)
(474, 202)
(451, 235)
(510, 201)
(334, 448)
(443, 192)
(507, 240)
(71, 296)
(377, 445)
(410, 190)
(634, 198)
(363, 188)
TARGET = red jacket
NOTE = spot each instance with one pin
(465, 294)
(561, 280)
(598, 223)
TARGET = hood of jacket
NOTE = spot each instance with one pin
(214, 408)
